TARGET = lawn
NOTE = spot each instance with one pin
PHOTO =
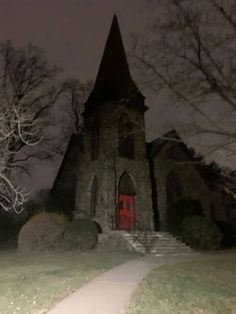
(207, 286)
(33, 284)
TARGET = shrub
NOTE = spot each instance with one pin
(9, 228)
(201, 233)
(114, 241)
(178, 211)
(81, 234)
(42, 232)
(228, 231)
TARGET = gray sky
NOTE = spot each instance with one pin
(71, 32)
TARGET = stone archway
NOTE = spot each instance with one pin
(126, 210)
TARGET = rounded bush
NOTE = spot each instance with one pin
(43, 232)
(178, 211)
(201, 233)
(81, 234)
(9, 228)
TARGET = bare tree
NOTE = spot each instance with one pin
(28, 90)
(191, 53)
(77, 93)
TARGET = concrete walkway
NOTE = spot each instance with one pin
(110, 292)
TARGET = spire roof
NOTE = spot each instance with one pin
(113, 81)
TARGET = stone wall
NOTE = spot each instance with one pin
(108, 167)
(192, 184)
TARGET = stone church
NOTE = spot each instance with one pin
(109, 173)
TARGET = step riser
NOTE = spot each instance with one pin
(154, 238)
(156, 243)
(170, 249)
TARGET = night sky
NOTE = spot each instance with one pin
(73, 34)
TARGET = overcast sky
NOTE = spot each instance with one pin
(73, 34)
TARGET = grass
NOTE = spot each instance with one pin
(207, 287)
(32, 284)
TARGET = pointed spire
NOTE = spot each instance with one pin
(113, 81)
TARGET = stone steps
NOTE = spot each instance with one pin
(157, 243)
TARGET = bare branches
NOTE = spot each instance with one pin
(27, 90)
(11, 198)
(191, 52)
(77, 93)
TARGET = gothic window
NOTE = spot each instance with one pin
(126, 138)
(95, 140)
(126, 185)
(93, 202)
(173, 187)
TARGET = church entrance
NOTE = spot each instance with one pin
(126, 211)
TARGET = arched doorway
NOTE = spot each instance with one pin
(126, 211)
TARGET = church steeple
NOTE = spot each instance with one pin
(113, 81)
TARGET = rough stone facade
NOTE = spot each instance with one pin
(109, 166)
(192, 184)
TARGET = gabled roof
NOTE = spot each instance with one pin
(211, 172)
(113, 81)
(157, 145)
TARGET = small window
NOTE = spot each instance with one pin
(95, 140)
(93, 203)
(173, 187)
(126, 138)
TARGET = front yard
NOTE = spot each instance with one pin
(198, 287)
(32, 284)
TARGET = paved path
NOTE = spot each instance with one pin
(110, 292)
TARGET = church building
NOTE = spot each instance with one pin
(114, 177)
(113, 185)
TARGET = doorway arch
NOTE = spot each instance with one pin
(126, 210)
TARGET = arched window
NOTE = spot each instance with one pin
(93, 202)
(126, 185)
(173, 187)
(95, 140)
(126, 138)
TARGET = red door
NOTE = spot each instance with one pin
(126, 212)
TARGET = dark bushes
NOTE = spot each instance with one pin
(201, 233)
(53, 231)
(81, 234)
(43, 232)
(178, 211)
